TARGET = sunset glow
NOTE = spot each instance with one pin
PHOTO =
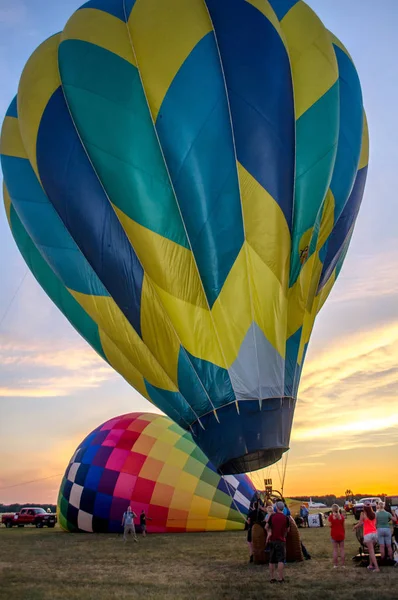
(54, 389)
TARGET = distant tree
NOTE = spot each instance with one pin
(4, 508)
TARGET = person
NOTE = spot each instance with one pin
(286, 511)
(305, 552)
(268, 512)
(277, 527)
(395, 522)
(368, 520)
(128, 524)
(304, 512)
(143, 519)
(383, 520)
(256, 515)
(337, 533)
(256, 501)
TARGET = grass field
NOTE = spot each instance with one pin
(41, 564)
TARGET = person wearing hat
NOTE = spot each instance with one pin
(277, 527)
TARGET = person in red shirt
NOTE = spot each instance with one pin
(277, 527)
(337, 533)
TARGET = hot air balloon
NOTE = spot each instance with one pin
(183, 178)
(146, 461)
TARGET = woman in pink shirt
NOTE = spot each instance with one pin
(368, 520)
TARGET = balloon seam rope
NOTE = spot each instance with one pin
(314, 236)
(282, 34)
(341, 250)
(14, 485)
(293, 212)
(106, 195)
(249, 285)
(214, 409)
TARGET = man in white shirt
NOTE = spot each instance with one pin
(128, 524)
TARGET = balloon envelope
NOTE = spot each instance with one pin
(183, 178)
(148, 462)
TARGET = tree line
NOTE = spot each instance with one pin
(4, 508)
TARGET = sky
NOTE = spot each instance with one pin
(54, 389)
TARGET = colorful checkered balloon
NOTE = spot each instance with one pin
(148, 462)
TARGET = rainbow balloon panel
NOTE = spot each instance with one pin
(183, 178)
(148, 462)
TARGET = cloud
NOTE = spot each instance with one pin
(360, 427)
(349, 394)
(367, 276)
(305, 465)
(370, 355)
(34, 370)
(14, 13)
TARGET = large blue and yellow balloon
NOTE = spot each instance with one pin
(183, 178)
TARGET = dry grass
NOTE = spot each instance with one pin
(51, 565)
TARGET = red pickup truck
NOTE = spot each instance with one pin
(29, 516)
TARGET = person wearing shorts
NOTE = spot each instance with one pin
(128, 524)
(368, 521)
(278, 526)
(384, 536)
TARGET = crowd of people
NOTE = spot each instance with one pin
(275, 519)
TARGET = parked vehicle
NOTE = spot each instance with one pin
(358, 506)
(29, 516)
(391, 503)
(349, 506)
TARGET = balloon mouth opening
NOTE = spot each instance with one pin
(252, 462)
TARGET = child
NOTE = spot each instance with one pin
(269, 511)
(337, 533)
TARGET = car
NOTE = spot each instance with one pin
(29, 516)
(391, 503)
(358, 506)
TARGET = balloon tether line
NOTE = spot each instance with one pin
(13, 298)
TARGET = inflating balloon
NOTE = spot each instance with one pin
(183, 178)
(148, 462)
